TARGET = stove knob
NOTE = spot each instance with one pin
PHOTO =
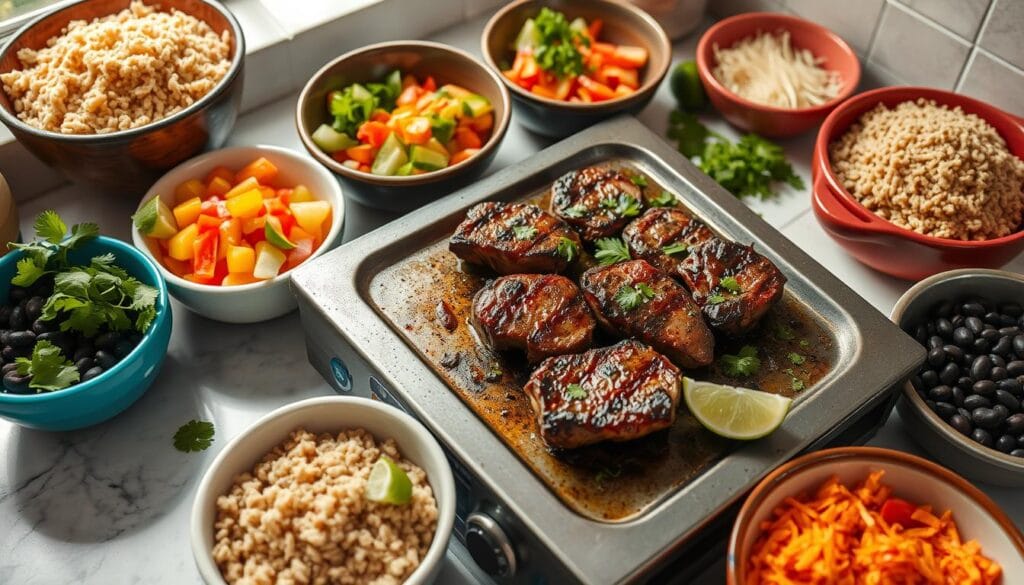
(489, 546)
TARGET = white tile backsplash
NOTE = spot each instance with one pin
(963, 17)
(916, 50)
(1004, 31)
(995, 81)
(853, 20)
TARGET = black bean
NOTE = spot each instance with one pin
(18, 322)
(969, 358)
(1001, 411)
(8, 354)
(1007, 321)
(1011, 309)
(1011, 385)
(921, 334)
(935, 341)
(929, 403)
(21, 339)
(936, 357)
(1010, 330)
(1017, 452)
(981, 368)
(990, 335)
(981, 346)
(1015, 368)
(124, 347)
(953, 353)
(993, 318)
(972, 309)
(1004, 346)
(975, 401)
(84, 365)
(54, 337)
(941, 394)
(958, 396)
(106, 340)
(930, 378)
(135, 337)
(105, 359)
(965, 383)
(963, 337)
(92, 373)
(961, 423)
(945, 410)
(1015, 423)
(998, 374)
(16, 384)
(964, 413)
(1006, 443)
(34, 307)
(982, 437)
(9, 367)
(997, 361)
(17, 294)
(949, 374)
(1020, 440)
(975, 324)
(944, 327)
(1007, 400)
(1018, 343)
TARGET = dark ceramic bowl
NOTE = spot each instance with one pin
(624, 24)
(880, 244)
(420, 58)
(127, 162)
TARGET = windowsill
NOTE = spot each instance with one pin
(285, 45)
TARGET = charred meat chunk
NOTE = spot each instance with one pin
(597, 201)
(663, 236)
(635, 299)
(543, 314)
(734, 285)
(515, 238)
(616, 393)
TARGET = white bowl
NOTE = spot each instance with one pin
(247, 303)
(912, 478)
(327, 414)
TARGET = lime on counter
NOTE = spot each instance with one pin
(388, 483)
(687, 88)
(155, 219)
(735, 413)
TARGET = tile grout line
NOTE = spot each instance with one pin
(975, 46)
(874, 31)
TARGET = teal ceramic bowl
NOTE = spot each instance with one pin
(116, 389)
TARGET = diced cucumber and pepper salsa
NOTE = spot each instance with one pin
(404, 127)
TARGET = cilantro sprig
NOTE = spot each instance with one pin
(663, 199)
(611, 251)
(676, 248)
(557, 51)
(193, 436)
(744, 363)
(575, 392)
(48, 253)
(624, 205)
(524, 232)
(567, 249)
(48, 367)
(631, 297)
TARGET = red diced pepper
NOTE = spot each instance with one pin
(897, 511)
(204, 259)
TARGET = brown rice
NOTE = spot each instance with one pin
(118, 72)
(935, 170)
(301, 516)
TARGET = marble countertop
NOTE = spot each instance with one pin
(110, 504)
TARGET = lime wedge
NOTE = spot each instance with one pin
(735, 413)
(388, 483)
(155, 219)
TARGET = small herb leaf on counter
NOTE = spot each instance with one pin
(575, 392)
(193, 436)
(48, 367)
(611, 251)
(744, 363)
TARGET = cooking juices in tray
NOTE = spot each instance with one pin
(428, 298)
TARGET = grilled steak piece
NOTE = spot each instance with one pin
(635, 299)
(596, 201)
(734, 285)
(616, 393)
(663, 236)
(513, 238)
(543, 314)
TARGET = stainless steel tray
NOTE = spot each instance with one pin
(872, 357)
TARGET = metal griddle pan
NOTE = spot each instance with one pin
(354, 346)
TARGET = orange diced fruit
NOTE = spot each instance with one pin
(245, 185)
(217, 187)
(222, 172)
(246, 205)
(310, 216)
(188, 190)
(180, 246)
(462, 155)
(301, 194)
(260, 169)
(177, 267)
(238, 278)
(241, 259)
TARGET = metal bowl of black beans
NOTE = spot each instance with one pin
(964, 406)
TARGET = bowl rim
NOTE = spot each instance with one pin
(443, 487)
(10, 119)
(649, 86)
(704, 67)
(817, 458)
(864, 102)
(497, 134)
(337, 218)
(163, 313)
(1014, 464)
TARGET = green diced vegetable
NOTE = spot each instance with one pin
(442, 128)
(529, 36)
(474, 105)
(426, 159)
(330, 140)
(405, 170)
(579, 26)
(390, 157)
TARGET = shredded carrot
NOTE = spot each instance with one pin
(840, 537)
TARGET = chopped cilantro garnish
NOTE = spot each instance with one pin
(611, 251)
(558, 50)
(795, 358)
(631, 297)
(624, 205)
(797, 384)
(567, 249)
(784, 332)
(575, 212)
(639, 180)
(715, 299)
(730, 284)
(575, 392)
(676, 248)
(524, 232)
(663, 199)
(744, 363)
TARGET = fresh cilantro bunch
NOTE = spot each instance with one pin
(557, 51)
(48, 253)
(748, 167)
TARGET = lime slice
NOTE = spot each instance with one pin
(687, 88)
(388, 483)
(275, 235)
(735, 413)
(155, 219)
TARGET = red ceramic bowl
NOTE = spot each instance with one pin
(876, 242)
(769, 120)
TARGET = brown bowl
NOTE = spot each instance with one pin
(624, 24)
(129, 161)
(420, 58)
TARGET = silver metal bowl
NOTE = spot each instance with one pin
(934, 435)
